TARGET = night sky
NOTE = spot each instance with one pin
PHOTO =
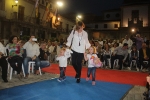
(89, 6)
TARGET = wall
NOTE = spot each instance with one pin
(114, 15)
(127, 11)
(110, 25)
(65, 21)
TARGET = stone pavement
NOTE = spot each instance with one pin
(136, 93)
(31, 79)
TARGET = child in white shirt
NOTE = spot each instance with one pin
(62, 58)
(91, 68)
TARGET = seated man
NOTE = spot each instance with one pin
(44, 55)
(32, 53)
(144, 55)
(120, 53)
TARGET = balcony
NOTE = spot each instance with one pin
(2, 13)
(28, 19)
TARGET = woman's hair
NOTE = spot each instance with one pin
(94, 49)
(106, 45)
(11, 38)
(79, 24)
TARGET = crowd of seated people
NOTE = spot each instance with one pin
(18, 53)
(126, 51)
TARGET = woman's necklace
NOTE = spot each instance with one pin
(80, 38)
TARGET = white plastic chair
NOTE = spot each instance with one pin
(116, 61)
(144, 62)
(133, 62)
(31, 64)
(109, 62)
(11, 71)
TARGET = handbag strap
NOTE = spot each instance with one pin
(72, 38)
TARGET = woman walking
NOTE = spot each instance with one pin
(78, 41)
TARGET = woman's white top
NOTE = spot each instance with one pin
(78, 38)
(90, 59)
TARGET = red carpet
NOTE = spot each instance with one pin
(124, 77)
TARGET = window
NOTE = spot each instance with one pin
(43, 2)
(67, 28)
(51, 6)
(21, 13)
(117, 15)
(115, 25)
(105, 25)
(96, 26)
(135, 21)
(108, 16)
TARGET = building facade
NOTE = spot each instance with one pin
(38, 17)
(132, 18)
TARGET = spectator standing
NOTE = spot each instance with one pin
(139, 41)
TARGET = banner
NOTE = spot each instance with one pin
(37, 8)
(36, 3)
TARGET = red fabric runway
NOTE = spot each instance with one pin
(124, 77)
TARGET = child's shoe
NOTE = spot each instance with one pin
(87, 79)
(63, 79)
(59, 80)
(93, 82)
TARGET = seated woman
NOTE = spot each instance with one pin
(3, 63)
(15, 55)
(107, 54)
(44, 55)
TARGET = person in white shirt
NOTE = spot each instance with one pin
(32, 53)
(128, 41)
(78, 41)
(91, 68)
(62, 58)
(3, 62)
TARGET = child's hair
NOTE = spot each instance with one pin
(94, 49)
(63, 49)
(134, 47)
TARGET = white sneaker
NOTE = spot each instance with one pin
(128, 68)
(106, 67)
(58, 80)
(144, 70)
(137, 69)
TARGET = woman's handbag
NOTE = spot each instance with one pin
(72, 38)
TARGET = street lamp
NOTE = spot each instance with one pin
(133, 30)
(78, 18)
(16, 1)
(59, 3)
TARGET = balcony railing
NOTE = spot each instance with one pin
(32, 20)
(2, 13)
